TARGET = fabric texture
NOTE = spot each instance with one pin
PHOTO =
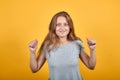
(63, 61)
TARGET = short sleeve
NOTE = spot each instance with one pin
(80, 44)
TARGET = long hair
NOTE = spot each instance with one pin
(51, 38)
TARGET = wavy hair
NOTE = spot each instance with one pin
(52, 38)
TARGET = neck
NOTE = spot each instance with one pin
(63, 40)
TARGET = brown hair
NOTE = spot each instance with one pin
(51, 38)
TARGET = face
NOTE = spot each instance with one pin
(62, 27)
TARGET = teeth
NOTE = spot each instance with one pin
(62, 31)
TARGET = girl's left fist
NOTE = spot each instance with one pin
(91, 43)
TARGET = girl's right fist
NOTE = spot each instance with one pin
(33, 46)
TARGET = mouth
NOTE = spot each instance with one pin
(62, 31)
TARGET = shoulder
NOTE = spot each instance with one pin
(79, 42)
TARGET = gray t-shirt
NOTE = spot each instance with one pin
(63, 61)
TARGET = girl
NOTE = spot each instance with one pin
(62, 48)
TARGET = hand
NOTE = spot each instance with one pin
(33, 46)
(91, 44)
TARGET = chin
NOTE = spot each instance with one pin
(61, 36)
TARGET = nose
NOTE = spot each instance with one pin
(62, 27)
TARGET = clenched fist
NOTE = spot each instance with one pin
(33, 46)
(91, 43)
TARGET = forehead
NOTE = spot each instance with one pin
(61, 19)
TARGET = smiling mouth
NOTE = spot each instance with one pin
(61, 31)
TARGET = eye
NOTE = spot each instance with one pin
(65, 24)
(58, 24)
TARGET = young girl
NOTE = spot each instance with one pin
(62, 48)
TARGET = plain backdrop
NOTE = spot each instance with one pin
(24, 20)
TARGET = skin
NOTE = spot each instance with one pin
(62, 30)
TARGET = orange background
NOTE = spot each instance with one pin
(24, 20)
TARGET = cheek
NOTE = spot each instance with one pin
(67, 29)
(56, 31)
(57, 28)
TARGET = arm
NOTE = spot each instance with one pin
(35, 63)
(89, 61)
